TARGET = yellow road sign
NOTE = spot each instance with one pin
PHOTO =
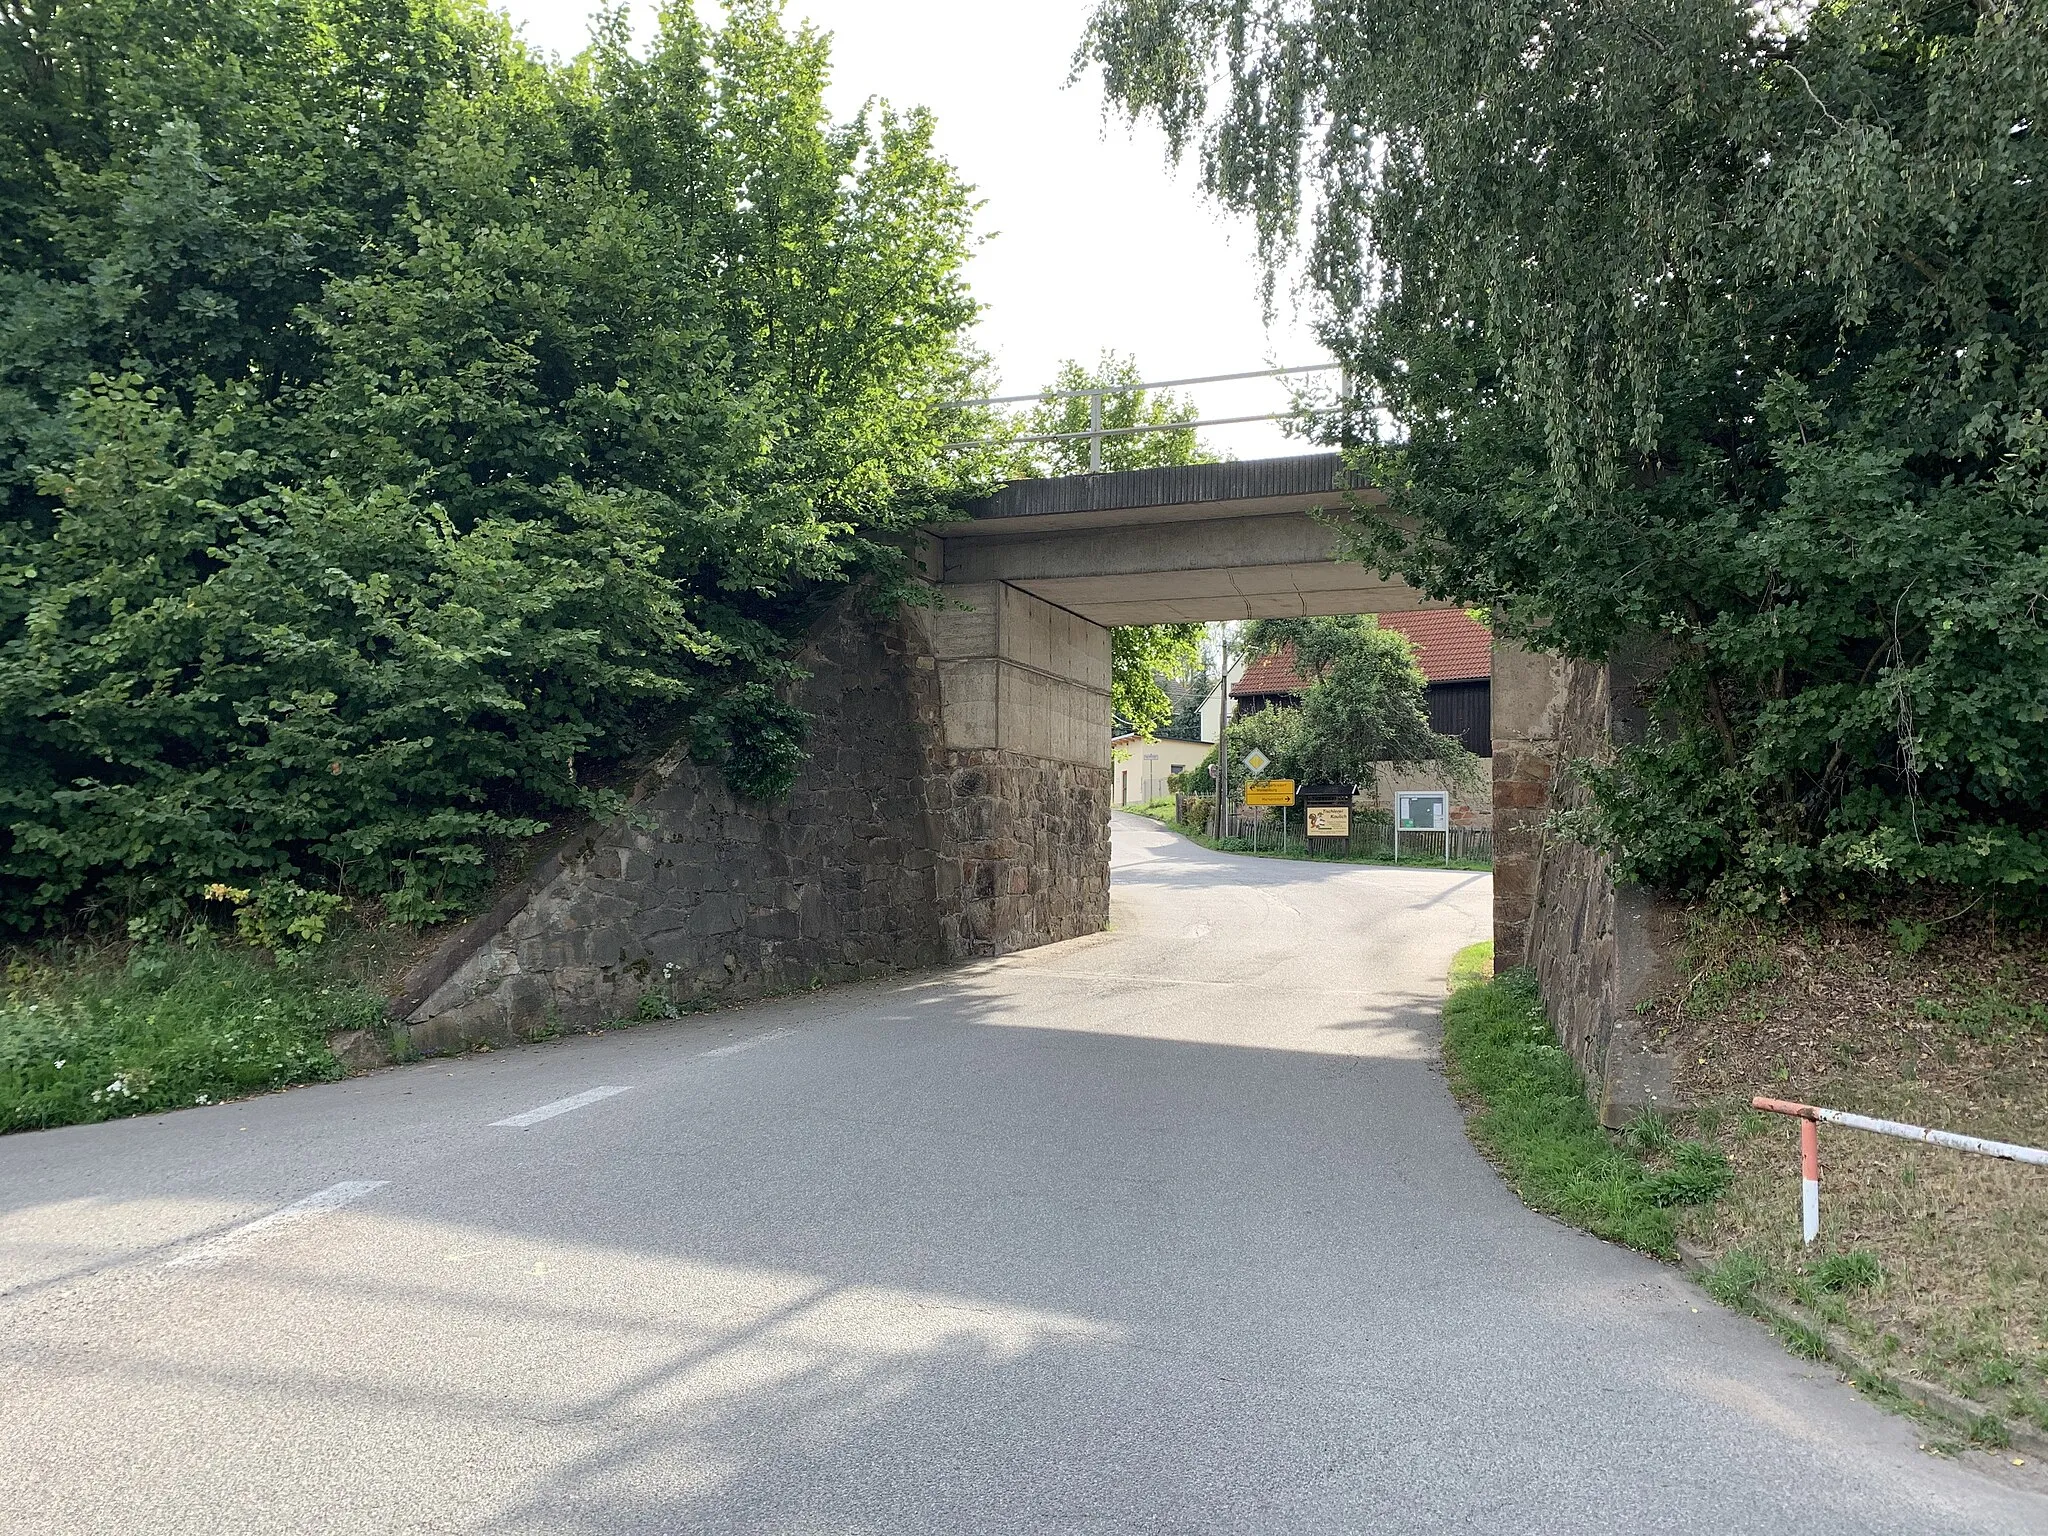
(1272, 792)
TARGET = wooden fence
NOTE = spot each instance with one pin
(1372, 836)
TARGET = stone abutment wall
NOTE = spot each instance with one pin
(1024, 820)
(948, 809)
(1597, 949)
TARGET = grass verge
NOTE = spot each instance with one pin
(1161, 811)
(1472, 965)
(130, 1031)
(1528, 1113)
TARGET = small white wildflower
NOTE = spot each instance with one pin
(60, 1063)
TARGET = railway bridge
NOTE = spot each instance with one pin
(955, 802)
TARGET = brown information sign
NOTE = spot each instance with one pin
(1272, 792)
(1329, 821)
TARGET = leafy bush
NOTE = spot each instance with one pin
(173, 1026)
(1271, 731)
(397, 431)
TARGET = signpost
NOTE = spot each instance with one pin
(1272, 792)
(1422, 811)
(1222, 763)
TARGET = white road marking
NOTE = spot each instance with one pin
(332, 1198)
(747, 1045)
(560, 1107)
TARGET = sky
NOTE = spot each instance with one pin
(1095, 241)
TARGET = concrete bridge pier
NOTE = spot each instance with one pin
(1020, 803)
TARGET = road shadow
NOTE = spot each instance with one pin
(940, 1267)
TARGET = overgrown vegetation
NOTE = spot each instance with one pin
(1530, 1115)
(1472, 965)
(1931, 1263)
(163, 1026)
(1713, 332)
(397, 430)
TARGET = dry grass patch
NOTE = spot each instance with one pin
(1934, 1262)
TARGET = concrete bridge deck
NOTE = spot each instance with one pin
(1253, 539)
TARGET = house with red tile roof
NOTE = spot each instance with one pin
(1456, 654)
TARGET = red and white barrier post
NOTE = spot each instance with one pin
(1809, 1178)
(1809, 1117)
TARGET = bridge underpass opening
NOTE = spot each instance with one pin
(1036, 576)
(956, 801)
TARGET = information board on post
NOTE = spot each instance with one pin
(1329, 821)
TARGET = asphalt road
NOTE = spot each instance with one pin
(1170, 1230)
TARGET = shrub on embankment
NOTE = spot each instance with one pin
(398, 430)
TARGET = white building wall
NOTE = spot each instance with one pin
(1212, 707)
(1141, 768)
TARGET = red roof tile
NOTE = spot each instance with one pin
(1269, 674)
(1451, 647)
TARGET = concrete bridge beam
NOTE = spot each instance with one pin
(1018, 674)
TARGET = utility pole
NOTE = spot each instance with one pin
(1223, 741)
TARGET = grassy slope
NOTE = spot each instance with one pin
(1529, 1114)
(1930, 1262)
(92, 1036)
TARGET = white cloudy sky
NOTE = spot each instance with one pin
(1096, 242)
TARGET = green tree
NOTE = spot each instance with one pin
(398, 432)
(1189, 691)
(1365, 703)
(1064, 410)
(1275, 731)
(1703, 330)
(1140, 654)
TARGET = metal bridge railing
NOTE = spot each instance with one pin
(1096, 431)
